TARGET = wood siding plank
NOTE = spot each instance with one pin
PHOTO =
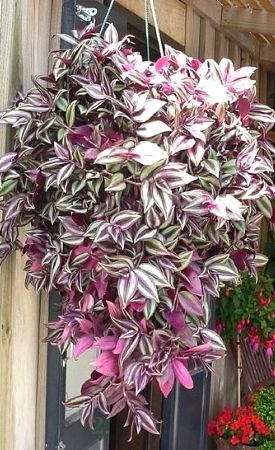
(248, 20)
(266, 4)
(170, 15)
(263, 85)
(222, 46)
(234, 53)
(24, 37)
(245, 58)
(192, 36)
(210, 40)
(210, 9)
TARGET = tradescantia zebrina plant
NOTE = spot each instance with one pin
(143, 185)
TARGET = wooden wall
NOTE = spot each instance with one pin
(25, 30)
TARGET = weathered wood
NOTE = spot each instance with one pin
(263, 85)
(42, 374)
(222, 46)
(56, 16)
(24, 37)
(234, 53)
(210, 9)
(192, 33)
(256, 76)
(258, 21)
(253, 4)
(210, 40)
(54, 42)
(267, 5)
(267, 52)
(170, 15)
(243, 40)
(245, 58)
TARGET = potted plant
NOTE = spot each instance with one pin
(142, 184)
(263, 402)
(247, 311)
(242, 429)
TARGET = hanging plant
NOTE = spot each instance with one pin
(142, 184)
(248, 310)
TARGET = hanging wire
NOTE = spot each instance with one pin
(107, 16)
(156, 27)
(147, 34)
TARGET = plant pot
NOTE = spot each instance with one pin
(224, 445)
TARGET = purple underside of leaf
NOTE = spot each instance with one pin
(182, 374)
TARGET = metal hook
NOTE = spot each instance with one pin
(85, 14)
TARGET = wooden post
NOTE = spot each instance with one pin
(24, 37)
(239, 369)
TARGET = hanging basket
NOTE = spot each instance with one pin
(128, 173)
(221, 444)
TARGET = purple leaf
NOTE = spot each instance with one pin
(7, 160)
(166, 381)
(83, 344)
(191, 304)
(182, 374)
(106, 363)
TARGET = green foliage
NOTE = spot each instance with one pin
(248, 309)
(264, 405)
(268, 445)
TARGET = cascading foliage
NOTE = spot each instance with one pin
(143, 185)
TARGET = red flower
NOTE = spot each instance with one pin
(245, 440)
(243, 426)
(235, 440)
(212, 428)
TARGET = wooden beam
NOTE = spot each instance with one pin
(213, 11)
(210, 9)
(266, 4)
(267, 52)
(244, 41)
(170, 15)
(248, 20)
